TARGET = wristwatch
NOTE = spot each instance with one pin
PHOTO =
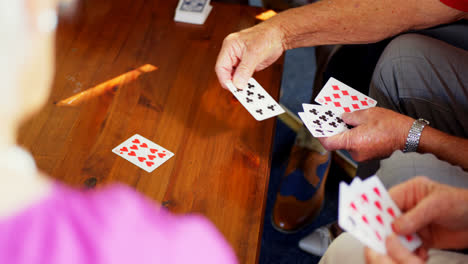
(412, 141)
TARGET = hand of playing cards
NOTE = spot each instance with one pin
(192, 11)
(335, 98)
(367, 211)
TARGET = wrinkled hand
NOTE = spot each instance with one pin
(397, 254)
(247, 51)
(377, 133)
(437, 212)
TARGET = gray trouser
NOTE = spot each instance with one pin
(423, 77)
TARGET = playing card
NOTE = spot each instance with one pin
(326, 117)
(340, 95)
(193, 5)
(356, 183)
(383, 211)
(256, 100)
(370, 202)
(193, 11)
(350, 218)
(143, 152)
(359, 201)
(316, 131)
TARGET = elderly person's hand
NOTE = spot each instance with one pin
(377, 133)
(247, 51)
(397, 254)
(437, 212)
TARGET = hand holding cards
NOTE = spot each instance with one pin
(367, 211)
(256, 100)
(335, 98)
(323, 121)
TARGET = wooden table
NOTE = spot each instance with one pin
(103, 93)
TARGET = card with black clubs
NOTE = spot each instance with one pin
(323, 121)
(335, 98)
(256, 100)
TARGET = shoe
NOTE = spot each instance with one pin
(301, 194)
(318, 241)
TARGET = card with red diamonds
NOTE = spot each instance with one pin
(143, 152)
(340, 95)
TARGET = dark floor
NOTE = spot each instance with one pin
(283, 248)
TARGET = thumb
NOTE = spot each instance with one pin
(418, 217)
(244, 71)
(399, 253)
(355, 118)
(339, 141)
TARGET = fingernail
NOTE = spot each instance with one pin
(393, 227)
(240, 83)
(370, 254)
(392, 237)
(230, 86)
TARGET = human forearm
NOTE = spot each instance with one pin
(446, 147)
(358, 21)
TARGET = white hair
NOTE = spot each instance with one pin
(14, 52)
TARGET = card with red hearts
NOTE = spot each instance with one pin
(143, 152)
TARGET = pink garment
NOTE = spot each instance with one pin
(112, 225)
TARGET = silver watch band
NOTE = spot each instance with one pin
(412, 141)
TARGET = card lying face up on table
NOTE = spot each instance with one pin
(335, 98)
(143, 153)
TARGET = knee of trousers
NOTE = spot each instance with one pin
(344, 249)
(400, 167)
(404, 58)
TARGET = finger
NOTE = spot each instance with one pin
(244, 71)
(223, 71)
(417, 217)
(226, 63)
(399, 253)
(400, 192)
(355, 118)
(374, 257)
(223, 76)
(334, 142)
(422, 253)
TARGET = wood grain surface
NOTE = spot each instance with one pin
(125, 67)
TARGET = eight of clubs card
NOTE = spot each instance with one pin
(256, 100)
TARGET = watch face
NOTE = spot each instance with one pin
(423, 120)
